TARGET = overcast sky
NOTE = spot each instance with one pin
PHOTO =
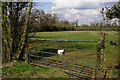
(86, 11)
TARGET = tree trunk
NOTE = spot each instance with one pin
(13, 34)
(10, 40)
(5, 33)
(22, 41)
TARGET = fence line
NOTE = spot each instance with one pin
(65, 54)
(64, 60)
(100, 51)
(63, 40)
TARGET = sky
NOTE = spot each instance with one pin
(85, 11)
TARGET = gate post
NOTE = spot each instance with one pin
(27, 55)
(100, 55)
(119, 51)
(57, 59)
(29, 46)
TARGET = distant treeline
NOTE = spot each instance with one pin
(95, 29)
(40, 21)
(97, 26)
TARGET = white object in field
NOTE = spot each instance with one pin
(61, 51)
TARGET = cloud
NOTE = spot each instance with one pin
(84, 16)
(67, 15)
(81, 4)
(73, 11)
(83, 10)
(86, 12)
(86, 0)
(74, 4)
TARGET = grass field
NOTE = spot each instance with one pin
(68, 35)
(73, 48)
(23, 70)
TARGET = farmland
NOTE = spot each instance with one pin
(71, 48)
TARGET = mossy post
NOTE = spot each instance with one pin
(27, 55)
(119, 51)
(100, 55)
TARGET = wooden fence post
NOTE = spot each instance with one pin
(29, 46)
(27, 55)
(119, 51)
(100, 55)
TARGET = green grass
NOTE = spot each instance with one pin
(77, 35)
(23, 70)
(68, 35)
(49, 46)
(17, 67)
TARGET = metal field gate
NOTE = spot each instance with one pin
(75, 60)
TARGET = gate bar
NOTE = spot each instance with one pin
(67, 67)
(63, 40)
(65, 54)
(66, 61)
